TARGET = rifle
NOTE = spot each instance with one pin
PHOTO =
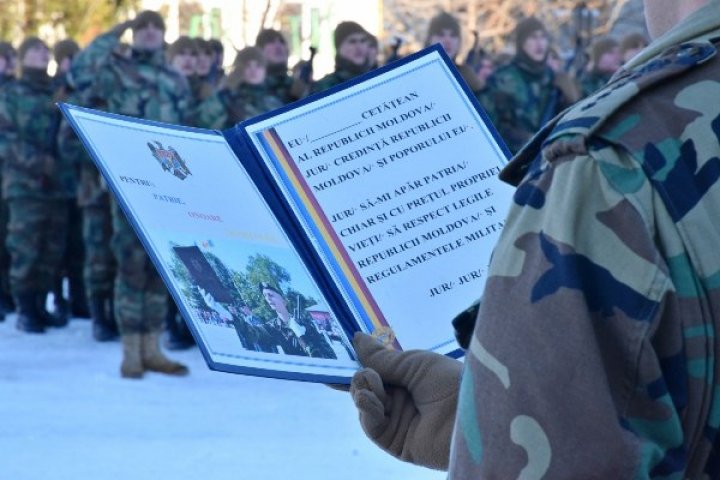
(394, 50)
(583, 26)
(306, 70)
(475, 54)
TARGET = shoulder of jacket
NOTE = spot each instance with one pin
(570, 131)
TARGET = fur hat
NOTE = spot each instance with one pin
(268, 35)
(146, 17)
(180, 45)
(441, 22)
(65, 49)
(27, 44)
(246, 55)
(525, 28)
(344, 30)
(600, 47)
(203, 46)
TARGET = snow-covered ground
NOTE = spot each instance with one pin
(65, 414)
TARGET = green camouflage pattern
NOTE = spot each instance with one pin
(99, 266)
(36, 242)
(28, 142)
(592, 82)
(139, 292)
(331, 79)
(140, 85)
(520, 102)
(227, 107)
(595, 352)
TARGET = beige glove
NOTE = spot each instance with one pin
(412, 415)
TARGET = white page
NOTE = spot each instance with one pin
(404, 172)
(207, 201)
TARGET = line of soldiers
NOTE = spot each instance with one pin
(57, 217)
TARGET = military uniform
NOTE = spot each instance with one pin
(6, 302)
(521, 98)
(142, 86)
(593, 81)
(229, 106)
(595, 351)
(36, 185)
(344, 71)
(276, 336)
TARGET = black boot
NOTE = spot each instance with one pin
(59, 317)
(28, 318)
(78, 300)
(7, 305)
(104, 327)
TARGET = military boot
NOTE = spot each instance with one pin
(79, 307)
(28, 318)
(132, 364)
(57, 319)
(104, 328)
(154, 360)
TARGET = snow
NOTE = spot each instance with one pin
(65, 414)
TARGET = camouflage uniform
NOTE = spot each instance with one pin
(227, 107)
(142, 86)
(344, 71)
(36, 183)
(595, 352)
(520, 100)
(593, 81)
(279, 83)
(6, 303)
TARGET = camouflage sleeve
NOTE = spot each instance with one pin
(212, 112)
(562, 379)
(8, 132)
(89, 61)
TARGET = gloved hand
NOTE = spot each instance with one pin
(407, 401)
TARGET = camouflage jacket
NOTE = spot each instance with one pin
(140, 85)
(592, 82)
(520, 102)
(227, 107)
(280, 85)
(28, 141)
(595, 352)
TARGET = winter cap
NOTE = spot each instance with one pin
(600, 47)
(216, 46)
(441, 22)
(7, 50)
(248, 54)
(145, 18)
(268, 35)
(65, 49)
(203, 46)
(268, 286)
(525, 28)
(180, 45)
(27, 44)
(344, 30)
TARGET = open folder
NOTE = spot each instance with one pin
(373, 207)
